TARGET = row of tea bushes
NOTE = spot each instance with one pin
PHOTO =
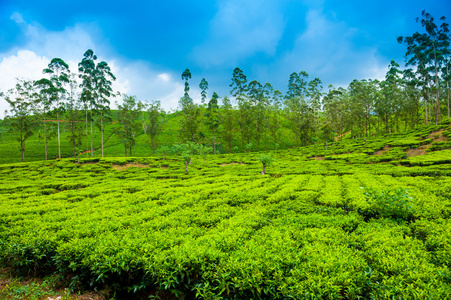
(319, 229)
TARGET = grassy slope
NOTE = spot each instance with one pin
(34, 147)
(356, 220)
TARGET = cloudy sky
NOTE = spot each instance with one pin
(149, 43)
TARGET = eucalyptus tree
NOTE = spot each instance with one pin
(47, 93)
(437, 42)
(203, 87)
(391, 100)
(86, 69)
(128, 114)
(293, 114)
(274, 116)
(412, 96)
(185, 76)
(244, 116)
(259, 106)
(58, 71)
(227, 117)
(446, 77)
(363, 95)
(297, 85)
(314, 89)
(190, 119)
(103, 78)
(212, 116)
(72, 108)
(427, 52)
(337, 110)
(154, 125)
(238, 84)
(20, 117)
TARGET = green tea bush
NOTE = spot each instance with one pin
(395, 204)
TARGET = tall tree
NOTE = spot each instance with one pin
(86, 69)
(185, 76)
(204, 87)
(47, 93)
(238, 84)
(103, 81)
(213, 118)
(227, 118)
(59, 75)
(129, 112)
(73, 115)
(154, 124)
(428, 52)
(20, 119)
(190, 121)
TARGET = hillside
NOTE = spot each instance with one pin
(362, 219)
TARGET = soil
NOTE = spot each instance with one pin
(382, 151)
(126, 166)
(318, 157)
(232, 163)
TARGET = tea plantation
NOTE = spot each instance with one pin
(360, 220)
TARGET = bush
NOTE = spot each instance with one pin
(395, 204)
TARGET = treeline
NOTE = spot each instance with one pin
(256, 114)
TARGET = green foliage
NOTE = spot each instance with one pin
(395, 204)
(136, 225)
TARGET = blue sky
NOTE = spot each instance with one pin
(149, 43)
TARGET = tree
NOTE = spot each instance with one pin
(204, 87)
(59, 76)
(186, 156)
(129, 112)
(44, 101)
(297, 84)
(428, 52)
(227, 119)
(213, 118)
(185, 76)
(21, 120)
(266, 161)
(73, 114)
(259, 105)
(238, 84)
(163, 150)
(154, 124)
(189, 123)
(249, 147)
(103, 78)
(337, 110)
(86, 69)
(327, 133)
(203, 151)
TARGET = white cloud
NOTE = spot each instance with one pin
(17, 17)
(240, 29)
(331, 50)
(164, 76)
(133, 77)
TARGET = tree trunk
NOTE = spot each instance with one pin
(214, 143)
(58, 123)
(92, 146)
(101, 129)
(264, 170)
(87, 136)
(45, 137)
(186, 166)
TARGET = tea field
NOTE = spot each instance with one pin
(360, 220)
